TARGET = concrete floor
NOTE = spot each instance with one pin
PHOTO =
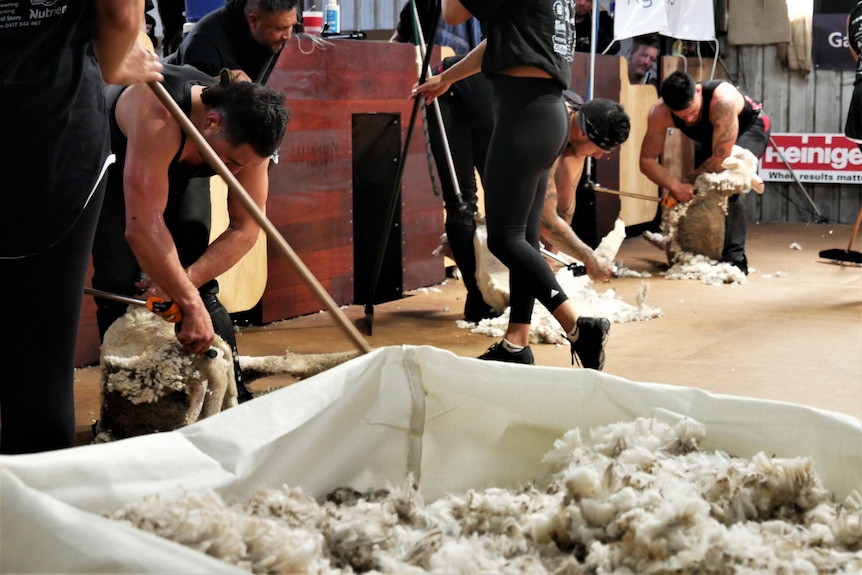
(791, 333)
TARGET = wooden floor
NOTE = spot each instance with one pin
(791, 333)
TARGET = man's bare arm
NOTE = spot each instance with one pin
(153, 137)
(652, 147)
(454, 13)
(557, 213)
(724, 112)
(242, 231)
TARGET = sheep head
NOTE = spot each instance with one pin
(739, 174)
(742, 161)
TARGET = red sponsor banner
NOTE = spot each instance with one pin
(815, 158)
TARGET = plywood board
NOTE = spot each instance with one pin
(242, 286)
(637, 100)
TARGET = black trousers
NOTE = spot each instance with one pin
(42, 297)
(468, 139)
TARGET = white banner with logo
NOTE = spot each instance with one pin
(683, 19)
(815, 159)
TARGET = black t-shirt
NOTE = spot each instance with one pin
(604, 39)
(53, 120)
(222, 39)
(527, 32)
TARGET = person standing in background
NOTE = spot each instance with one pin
(52, 67)
(467, 123)
(527, 57)
(853, 127)
(247, 35)
(584, 29)
(461, 38)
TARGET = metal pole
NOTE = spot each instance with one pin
(436, 105)
(396, 188)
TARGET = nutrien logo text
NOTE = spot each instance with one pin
(47, 12)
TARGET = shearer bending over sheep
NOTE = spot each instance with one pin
(148, 223)
(716, 115)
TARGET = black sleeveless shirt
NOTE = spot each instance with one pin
(701, 131)
(178, 82)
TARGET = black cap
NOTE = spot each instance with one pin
(572, 97)
(604, 122)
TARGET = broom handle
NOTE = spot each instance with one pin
(272, 233)
(855, 230)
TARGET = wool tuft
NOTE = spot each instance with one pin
(634, 497)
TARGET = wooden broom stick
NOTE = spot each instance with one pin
(272, 233)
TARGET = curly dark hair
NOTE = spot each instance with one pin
(253, 114)
(605, 123)
(677, 91)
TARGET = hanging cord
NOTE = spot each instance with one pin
(396, 188)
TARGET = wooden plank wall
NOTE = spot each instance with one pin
(815, 102)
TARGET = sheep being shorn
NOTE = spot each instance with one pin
(631, 497)
(493, 277)
(150, 383)
(693, 232)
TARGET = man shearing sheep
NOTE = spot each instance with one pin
(138, 230)
(716, 115)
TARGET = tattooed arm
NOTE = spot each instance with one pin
(727, 103)
(558, 210)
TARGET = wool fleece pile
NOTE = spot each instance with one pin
(630, 497)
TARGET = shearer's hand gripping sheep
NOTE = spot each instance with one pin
(167, 309)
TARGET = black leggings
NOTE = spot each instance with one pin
(530, 131)
(468, 138)
(43, 296)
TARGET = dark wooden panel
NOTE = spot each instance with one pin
(311, 188)
(595, 214)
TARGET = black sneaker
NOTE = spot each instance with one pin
(741, 264)
(475, 309)
(498, 353)
(590, 347)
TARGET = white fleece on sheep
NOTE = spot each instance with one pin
(144, 365)
(693, 247)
